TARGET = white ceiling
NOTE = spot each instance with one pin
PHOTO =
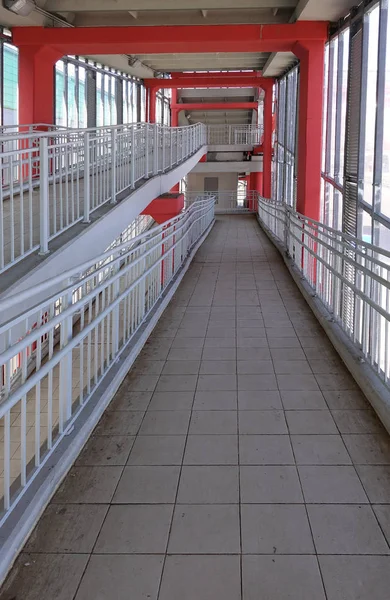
(74, 13)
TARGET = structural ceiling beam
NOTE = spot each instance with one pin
(205, 82)
(203, 106)
(171, 39)
(142, 5)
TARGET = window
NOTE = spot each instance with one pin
(10, 85)
(287, 98)
(91, 94)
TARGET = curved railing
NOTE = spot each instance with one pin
(44, 188)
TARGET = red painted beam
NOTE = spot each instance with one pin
(224, 75)
(202, 106)
(171, 39)
(206, 82)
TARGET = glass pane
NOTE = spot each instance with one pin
(365, 232)
(325, 105)
(106, 101)
(385, 201)
(82, 98)
(372, 70)
(99, 100)
(60, 98)
(114, 117)
(73, 120)
(332, 107)
(124, 101)
(344, 87)
(384, 236)
(10, 85)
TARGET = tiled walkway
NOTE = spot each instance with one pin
(237, 461)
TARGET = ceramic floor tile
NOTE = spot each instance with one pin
(135, 529)
(262, 422)
(320, 450)
(205, 529)
(211, 450)
(376, 482)
(310, 422)
(168, 422)
(331, 485)
(103, 450)
(208, 485)
(215, 401)
(213, 422)
(356, 577)
(346, 529)
(134, 576)
(282, 578)
(157, 450)
(67, 528)
(259, 400)
(88, 485)
(147, 485)
(266, 450)
(265, 485)
(38, 576)
(201, 577)
(171, 401)
(275, 529)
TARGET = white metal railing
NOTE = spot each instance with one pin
(72, 337)
(349, 276)
(228, 201)
(239, 135)
(44, 191)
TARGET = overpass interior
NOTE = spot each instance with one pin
(239, 459)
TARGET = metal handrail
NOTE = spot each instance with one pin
(350, 277)
(111, 299)
(44, 188)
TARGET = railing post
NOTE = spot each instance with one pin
(44, 225)
(113, 166)
(147, 150)
(87, 178)
(163, 147)
(66, 376)
(230, 135)
(115, 318)
(132, 164)
(171, 142)
(155, 149)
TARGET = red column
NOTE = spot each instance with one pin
(147, 102)
(311, 55)
(174, 112)
(256, 180)
(267, 141)
(36, 84)
(152, 105)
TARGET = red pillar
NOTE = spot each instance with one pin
(36, 84)
(174, 112)
(256, 182)
(311, 55)
(267, 142)
(152, 105)
(147, 102)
